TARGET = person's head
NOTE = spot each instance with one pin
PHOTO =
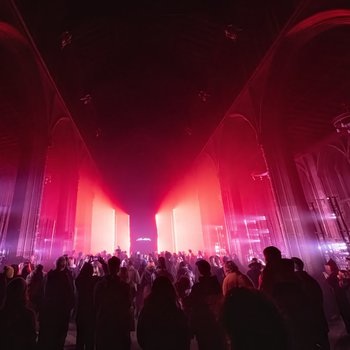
(331, 266)
(113, 265)
(230, 266)
(182, 265)
(254, 264)
(87, 270)
(15, 269)
(161, 262)
(61, 263)
(39, 268)
(225, 258)
(298, 264)
(252, 321)
(16, 292)
(272, 254)
(71, 261)
(26, 269)
(217, 260)
(123, 274)
(203, 267)
(183, 286)
(9, 272)
(287, 269)
(162, 288)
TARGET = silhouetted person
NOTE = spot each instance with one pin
(15, 270)
(272, 271)
(234, 278)
(183, 290)
(169, 264)
(185, 271)
(112, 306)
(205, 302)
(220, 273)
(252, 321)
(146, 282)
(161, 270)
(35, 281)
(296, 308)
(254, 271)
(162, 324)
(340, 292)
(17, 321)
(85, 318)
(58, 303)
(5, 278)
(25, 270)
(313, 292)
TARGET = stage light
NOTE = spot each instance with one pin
(232, 32)
(65, 39)
(86, 99)
(341, 123)
(203, 95)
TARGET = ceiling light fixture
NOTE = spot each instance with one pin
(65, 39)
(232, 32)
(341, 123)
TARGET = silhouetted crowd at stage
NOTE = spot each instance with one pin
(170, 300)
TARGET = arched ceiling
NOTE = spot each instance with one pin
(316, 88)
(162, 74)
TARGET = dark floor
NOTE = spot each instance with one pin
(338, 338)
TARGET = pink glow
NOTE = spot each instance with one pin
(178, 221)
(103, 225)
(122, 230)
(165, 229)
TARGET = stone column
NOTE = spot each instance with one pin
(297, 220)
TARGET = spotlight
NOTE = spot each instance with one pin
(86, 99)
(98, 133)
(232, 32)
(48, 179)
(260, 175)
(203, 95)
(341, 123)
(65, 39)
(188, 131)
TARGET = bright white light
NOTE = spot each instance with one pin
(265, 230)
(332, 216)
(143, 239)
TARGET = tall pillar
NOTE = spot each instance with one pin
(66, 213)
(234, 213)
(22, 225)
(297, 221)
(18, 201)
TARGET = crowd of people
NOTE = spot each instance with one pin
(169, 300)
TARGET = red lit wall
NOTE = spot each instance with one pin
(122, 230)
(82, 241)
(165, 229)
(178, 220)
(103, 224)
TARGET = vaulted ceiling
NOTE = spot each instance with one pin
(147, 82)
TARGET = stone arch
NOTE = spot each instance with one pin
(333, 170)
(58, 206)
(307, 78)
(282, 70)
(246, 189)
